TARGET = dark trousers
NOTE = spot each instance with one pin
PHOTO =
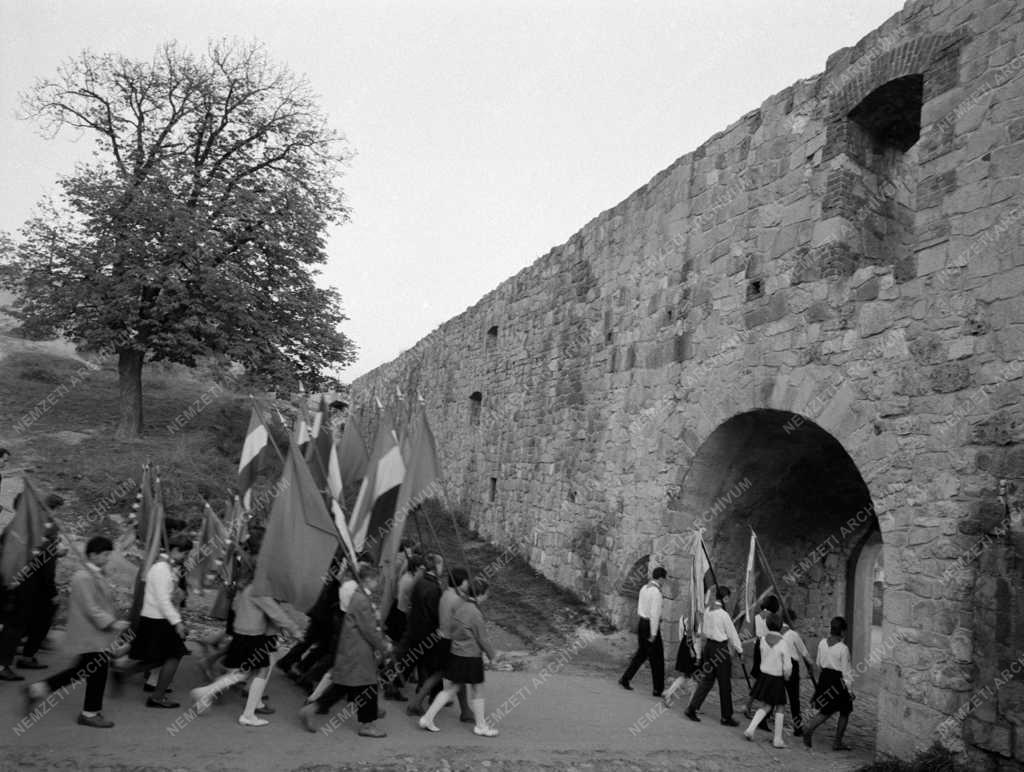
(648, 650)
(318, 633)
(365, 698)
(793, 691)
(10, 637)
(91, 667)
(715, 665)
(39, 621)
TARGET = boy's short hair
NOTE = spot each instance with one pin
(98, 544)
(458, 575)
(771, 603)
(722, 592)
(180, 542)
(774, 623)
(837, 627)
(659, 573)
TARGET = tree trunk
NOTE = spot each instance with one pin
(129, 377)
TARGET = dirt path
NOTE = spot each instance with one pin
(550, 721)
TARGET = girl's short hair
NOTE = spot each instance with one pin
(774, 623)
(771, 603)
(181, 542)
(837, 626)
(477, 586)
(98, 544)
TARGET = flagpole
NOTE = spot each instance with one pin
(259, 414)
(771, 578)
(714, 578)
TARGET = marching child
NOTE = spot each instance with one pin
(257, 622)
(770, 688)
(686, 662)
(834, 681)
(92, 632)
(465, 664)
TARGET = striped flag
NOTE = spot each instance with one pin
(756, 585)
(318, 450)
(375, 506)
(301, 427)
(156, 539)
(250, 462)
(419, 481)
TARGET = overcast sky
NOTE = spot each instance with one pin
(485, 132)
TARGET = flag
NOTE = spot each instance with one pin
(375, 506)
(701, 584)
(300, 539)
(156, 538)
(318, 450)
(352, 455)
(207, 554)
(420, 478)
(756, 585)
(301, 426)
(250, 462)
(23, 537)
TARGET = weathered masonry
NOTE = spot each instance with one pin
(813, 325)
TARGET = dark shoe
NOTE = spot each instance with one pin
(467, 719)
(625, 684)
(691, 715)
(732, 722)
(307, 715)
(264, 710)
(31, 663)
(414, 710)
(807, 739)
(161, 702)
(151, 688)
(840, 746)
(6, 674)
(798, 732)
(655, 694)
(97, 721)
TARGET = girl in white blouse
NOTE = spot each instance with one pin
(770, 688)
(835, 680)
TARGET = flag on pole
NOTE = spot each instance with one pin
(300, 538)
(352, 455)
(701, 583)
(318, 450)
(301, 426)
(375, 506)
(207, 555)
(24, 536)
(250, 462)
(757, 585)
(420, 478)
(156, 538)
(144, 499)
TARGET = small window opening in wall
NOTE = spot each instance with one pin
(610, 336)
(755, 289)
(892, 112)
(494, 489)
(475, 401)
(492, 334)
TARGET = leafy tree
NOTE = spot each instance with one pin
(199, 225)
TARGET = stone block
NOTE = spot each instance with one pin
(950, 377)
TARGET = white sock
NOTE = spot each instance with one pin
(435, 707)
(778, 729)
(758, 717)
(256, 688)
(90, 713)
(478, 713)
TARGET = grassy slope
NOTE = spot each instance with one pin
(72, 452)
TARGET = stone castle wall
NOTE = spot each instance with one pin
(795, 264)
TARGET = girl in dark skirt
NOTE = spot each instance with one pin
(686, 662)
(769, 605)
(465, 664)
(835, 678)
(770, 687)
(160, 635)
(249, 655)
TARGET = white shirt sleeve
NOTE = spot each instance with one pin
(162, 577)
(730, 630)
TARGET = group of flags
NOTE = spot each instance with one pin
(308, 521)
(758, 583)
